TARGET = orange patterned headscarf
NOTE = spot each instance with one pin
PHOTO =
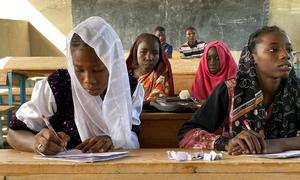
(159, 82)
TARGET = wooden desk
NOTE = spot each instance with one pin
(159, 129)
(23, 67)
(147, 164)
(184, 71)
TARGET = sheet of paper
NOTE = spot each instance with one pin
(282, 155)
(77, 156)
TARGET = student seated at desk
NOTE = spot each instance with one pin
(217, 65)
(149, 64)
(161, 34)
(192, 48)
(259, 111)
(89, 105)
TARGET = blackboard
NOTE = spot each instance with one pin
(231, 21)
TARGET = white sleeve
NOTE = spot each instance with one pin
(137, 107)
(42, 102)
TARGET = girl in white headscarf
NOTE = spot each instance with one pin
(94, 105)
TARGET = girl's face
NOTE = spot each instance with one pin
(213, 61)
(148, 54)
(272, 55)
(90, 70)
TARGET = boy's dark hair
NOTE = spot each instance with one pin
(77, 42)
(160, 29)
(190, 28)
(254, 37)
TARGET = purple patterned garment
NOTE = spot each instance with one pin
(63, 119)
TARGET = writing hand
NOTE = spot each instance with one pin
(246, 142)
(46, 142)
(96, 144)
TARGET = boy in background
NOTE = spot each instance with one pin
(161, 34)
(192, 48)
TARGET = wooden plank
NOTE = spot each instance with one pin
(159, 129)
(4, 108)
(15, 91)
(183, 82)
(208, 176)
(32, 63)
(147, 161)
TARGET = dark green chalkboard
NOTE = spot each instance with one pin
(228, 20)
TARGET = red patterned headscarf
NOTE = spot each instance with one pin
(205, 82)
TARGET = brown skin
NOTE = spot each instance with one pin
(93, 76)
(272, 57)
(191, 37)
(147, 56)
(213, 61)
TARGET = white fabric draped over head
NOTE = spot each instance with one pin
(94, 116)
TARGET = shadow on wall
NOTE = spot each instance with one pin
(39, 45)
(20, 38)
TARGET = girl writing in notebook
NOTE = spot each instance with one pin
(147, 63)
(259, 111)
(90, 105)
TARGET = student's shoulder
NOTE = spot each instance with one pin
(184, 44)
(60, 75)
(169, 45)
(201, 44)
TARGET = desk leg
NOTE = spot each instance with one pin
(22, 80)
(297, 62)
(9, 84)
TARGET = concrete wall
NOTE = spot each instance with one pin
(39, 45)
(14, 38)
(58, 12)
(286, 14)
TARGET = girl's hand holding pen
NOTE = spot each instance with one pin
(48, 143)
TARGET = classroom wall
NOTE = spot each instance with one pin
(58, 12)
(14, 38)
(39, 45)
(286, 14)
(228, 20)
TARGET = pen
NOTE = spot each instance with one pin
(247, 124)
(50, 127)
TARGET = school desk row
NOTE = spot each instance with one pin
(21, 68)
(147, 164)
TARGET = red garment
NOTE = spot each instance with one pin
(199, 139)
(163, 68)
(205, 82)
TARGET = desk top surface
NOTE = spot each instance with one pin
(53, 63)
(165, 115)
(143, 161)
(32, 63)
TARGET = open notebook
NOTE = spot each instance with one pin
(75, 155)
(282, 155)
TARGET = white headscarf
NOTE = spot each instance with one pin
(112, 116)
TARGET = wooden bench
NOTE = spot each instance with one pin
(15, 92)
(184, 71)
(159, 129)
(4, 111)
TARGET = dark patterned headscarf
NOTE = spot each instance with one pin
(248, 103)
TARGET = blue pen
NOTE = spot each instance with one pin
(50, 127)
